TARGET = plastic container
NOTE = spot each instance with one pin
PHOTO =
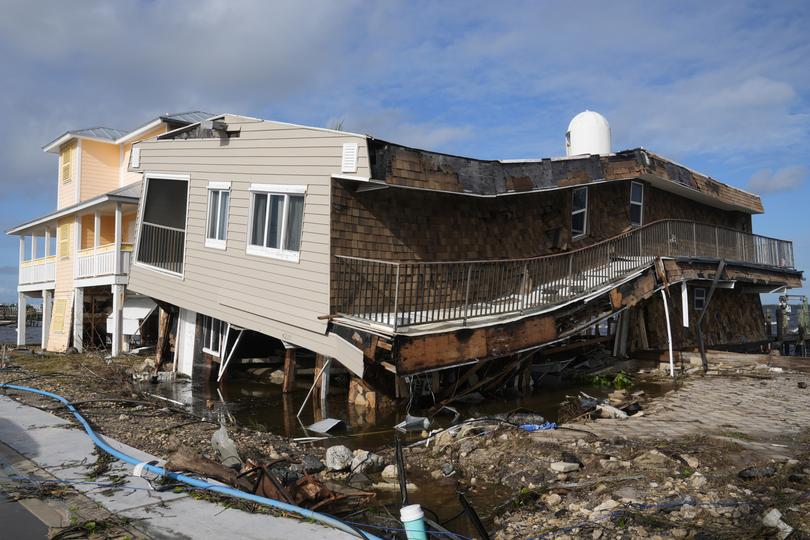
(413, 519)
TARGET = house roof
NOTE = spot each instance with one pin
(118, 136)
(128, 194)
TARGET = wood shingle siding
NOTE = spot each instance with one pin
(276, 297)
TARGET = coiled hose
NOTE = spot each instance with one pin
(199, 484)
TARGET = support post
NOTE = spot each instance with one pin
(78, 318)
(96, 239)
(118, 237)
(669, 334)
(118, 319)
(684, 305)
(48, 242)
(289, 369)
(721, 265)
(47, 311)
(33, 246)
(22, 257)
(21, 318)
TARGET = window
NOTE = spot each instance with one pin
(579, 211)
(636, 203)
(277, 215)
(212, 335)
(217, 230)
(700, 298)
(66, 165)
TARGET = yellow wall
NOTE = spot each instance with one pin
(99, 166)
(130, 177)
(66, 190)
(59, 337)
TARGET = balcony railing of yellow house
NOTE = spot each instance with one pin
(100, 261)
(41, 270)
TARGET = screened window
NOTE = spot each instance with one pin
(276, 224)
(217, 228)
(636, 203)
(579, 211)
(212, 335)
(700, 298)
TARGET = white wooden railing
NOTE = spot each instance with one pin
(42, 270)
(100, 261)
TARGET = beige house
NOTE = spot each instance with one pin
(77, 258)
(260, 238)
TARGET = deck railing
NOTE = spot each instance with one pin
(161, 247)
(42, 270)
(400, 294)
(100, 261)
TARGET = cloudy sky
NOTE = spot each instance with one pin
(720, 86)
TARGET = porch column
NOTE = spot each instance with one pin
(33, 246)
(47, 310)
(48, 242)
(118, 236)
(117, 316)
(21, 316)
(77, 244)
(78, 318)
(22, 257)
(96, 239)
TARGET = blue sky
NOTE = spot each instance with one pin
(722, 87)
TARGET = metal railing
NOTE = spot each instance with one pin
(162, 247)
(400, 294)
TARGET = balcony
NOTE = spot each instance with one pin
(100, 261)
(398, 295)
(162, 247)
(41, 270)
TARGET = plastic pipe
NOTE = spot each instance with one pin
(200, 484)
(413, 519)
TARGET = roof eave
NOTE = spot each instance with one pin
(101, 199)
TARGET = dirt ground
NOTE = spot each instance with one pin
(711, 459)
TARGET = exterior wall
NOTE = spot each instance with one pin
(127, 177)
(275, 297)
(66, 191)
(59, 335)
(732, 318)
(400, 224)
(99, 168)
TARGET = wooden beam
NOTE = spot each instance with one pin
(289, 370)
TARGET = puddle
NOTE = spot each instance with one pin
(262, 406)
(19, 523)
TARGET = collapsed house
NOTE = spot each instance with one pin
(263, 239)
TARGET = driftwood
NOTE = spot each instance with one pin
(186, 460)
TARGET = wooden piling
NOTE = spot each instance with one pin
(289, 370)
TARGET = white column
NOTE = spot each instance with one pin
(33, 246)
(118, 236)
(48, 243)
(669, 334)
(22, 257)
(77, 244)
(78, 318)
(21, 322)
(47, 311)
(118, 319)
(96, 239)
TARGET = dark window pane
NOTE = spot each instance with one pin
(580, 199)
(224, 197)
(635, 214)
(259, 218)
(165, 203)
(295, 219)
(273, 239)
(636, 192)
(578, 223)
(213, 210)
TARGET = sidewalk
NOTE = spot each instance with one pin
(65, 452)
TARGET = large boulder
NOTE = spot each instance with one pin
(366, 462)
(338, 458)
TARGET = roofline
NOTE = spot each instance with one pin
(141, 130)
(303, 126)
(62, 139)
(107, 197)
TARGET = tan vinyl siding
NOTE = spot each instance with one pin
(100, 168)
(66, 193)
(128, 177)
(279, 298)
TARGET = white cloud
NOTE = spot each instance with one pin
(786, 179)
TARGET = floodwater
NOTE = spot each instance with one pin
(19, 523)
(8, 334)
(261, 405)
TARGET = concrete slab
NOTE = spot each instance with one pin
(67, 454)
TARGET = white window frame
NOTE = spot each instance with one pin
(640, 204)
(581, 211)
(699, 297)
(207, 339)
(217, 188)
(284, 190)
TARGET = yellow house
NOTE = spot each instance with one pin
(77, 258)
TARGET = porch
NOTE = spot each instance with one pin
(402, 297)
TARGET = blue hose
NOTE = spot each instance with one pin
(200, 484)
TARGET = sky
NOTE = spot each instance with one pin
(722, 87)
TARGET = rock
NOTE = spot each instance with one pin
(610, 464)
(436, 474)
(679, 533)
(359, 481)
(447, 469)
(390, 472)
(801, 384)
(688, 512)
(773, 519)
(609, 411)
(568, 457)
(690, 460)
(628, 494)
(552, 499)
(607, 506)
(309, 465)
(750, 473)
(653, 457)
(338, 458)
(277, 377)
(564, 467)
(597, 534)
(697, 481)
(364, 461)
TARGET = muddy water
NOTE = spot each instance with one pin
(261, 405)
(19, 523)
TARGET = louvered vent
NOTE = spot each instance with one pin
(349, 164)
